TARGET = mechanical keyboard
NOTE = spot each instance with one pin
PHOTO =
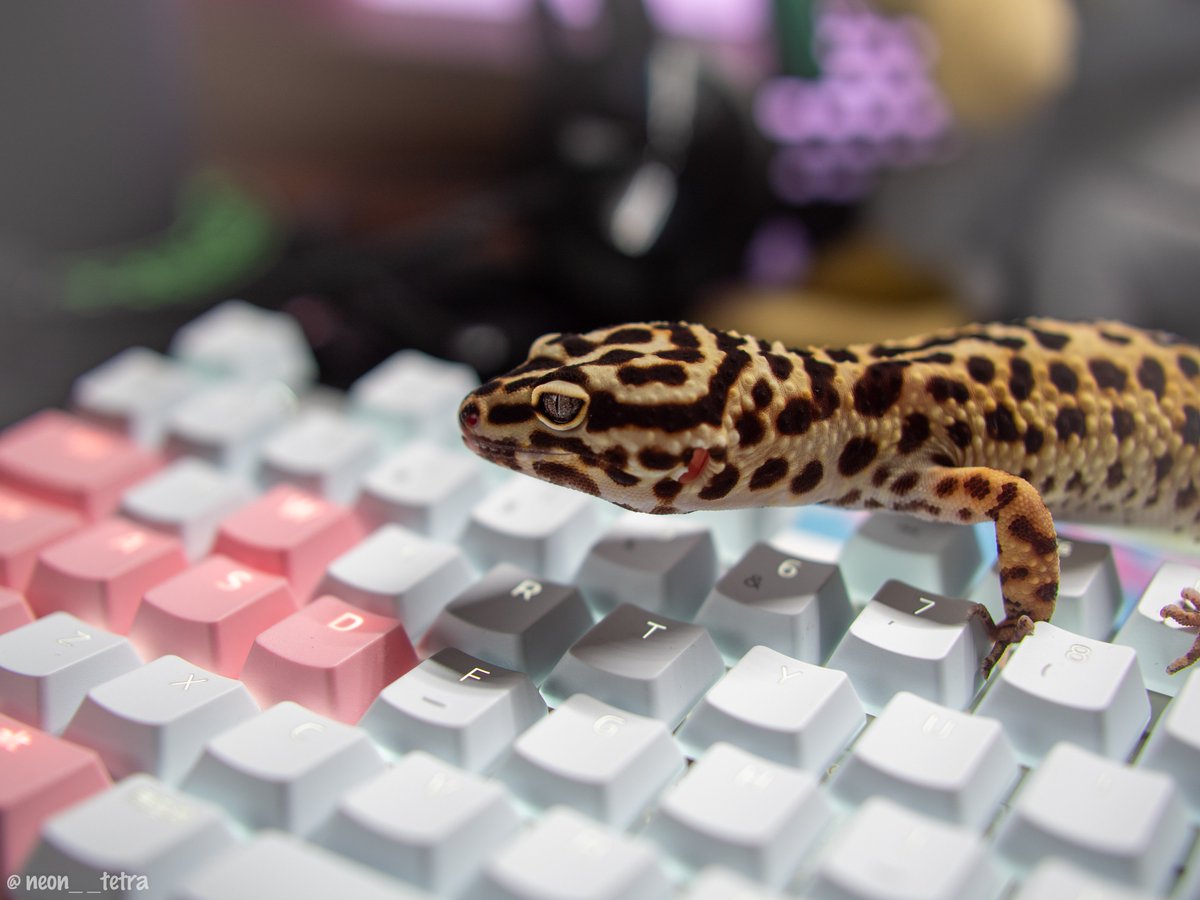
(259, 638)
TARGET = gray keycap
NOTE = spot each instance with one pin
(640, 661)
(408, 395)
(514, 619)
(323, 452)
(425, 488)
(228, 423)
(796, 606)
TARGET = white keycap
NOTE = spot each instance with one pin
(935, 556)
(284, 768)
(423, 821)
(781, 708)
(188, 499)
(459, 708)
(412, 395)
(1054, 879)
(716, 883)
(606, 762)
(661, 564)
(1156, 641)
(1060, 686)
(49, 665)
(641, 661)
(228, 423)
(1119, 822)
(280, 865)
(796, 606)
(1174, 744)
(948, 764)
(158, 717)
(566, 854)
(396, 572)
(734, 530)
(1089, 589)
(538, 526)
(134, 392)
(909, 640)
(238, 339)
(739, 810)
(887, 852)
(425, 488)
(139, 838)
(322, 451)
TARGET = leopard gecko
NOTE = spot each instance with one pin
(1010, 423)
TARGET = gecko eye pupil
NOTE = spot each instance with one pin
(559, 408)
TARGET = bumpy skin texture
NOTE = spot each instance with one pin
(1005, 422)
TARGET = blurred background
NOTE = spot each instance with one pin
(460, 176)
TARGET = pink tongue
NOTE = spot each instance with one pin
(695, 466)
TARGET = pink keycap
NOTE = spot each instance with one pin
(14, 611)
(39, 775)
(292, 533)
(101, 573)
(26, 526)
(63, 459)
(211, 614)
(330, 656)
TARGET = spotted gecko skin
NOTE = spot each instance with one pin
(1008, 423)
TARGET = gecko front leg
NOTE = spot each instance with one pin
(1026, 543)
(1186, 612)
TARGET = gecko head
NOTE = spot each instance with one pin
(640, 415)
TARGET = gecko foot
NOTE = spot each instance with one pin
(1187, 613)
(1004, 634)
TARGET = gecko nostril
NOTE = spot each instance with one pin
(469, 416)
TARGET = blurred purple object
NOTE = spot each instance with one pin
(779, 252)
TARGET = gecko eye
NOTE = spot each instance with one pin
(559, 405)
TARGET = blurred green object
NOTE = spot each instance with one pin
(795, 28)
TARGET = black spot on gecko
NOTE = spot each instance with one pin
(1064, 378)
(617, 457)
(630, 336)
(1191, 426)
(720, 484)
(943, 359)
(1070, 420)
(1162, 468)
(977, 487)
(750, 429)
(1047, 592)
(618, 357)
(946, 487)
(960, 434)
(575, 345)
(1114, 338)
(684, 337)
(841, 356)
(566, 476)
(1020, 378)
(913, 433)
(1123, 423)
(1024, 530)
(878, 389)
(881, 474)
(681, 354)
(856, 455)
(1188, 366)
(653, 458)
(1151, 376)
(1051, 340)
(667, 489)
(905, 483)
(981, 369)
(1116, 475)
(1034, 438)
(1076, 484)
(810, 476)
(943, 389)
(621, 477)
(1107, 374)
(769, 474)
(796, 417)
(1000, 424)
(488, 387)
(781, 366)
(509, 413)
(1006, 495)
(1186, 497)
(761, 393)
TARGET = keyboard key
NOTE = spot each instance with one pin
(323, 452)
(538, 526)
(1054, 879)
(780, 708)
(279, 865)
(187, 499)
(1159, 642)
(228, 423)
(211, 613)
(237, 339)
(396, 572)
(423, 821)
(1174, 744)
(292, 533)
(938, 557)
(514, 619)
(1059, 686)
(140, 834)
(744, 812)
(1089, 590)
(157, 718)
(886, 852)
(796, 606)
(664, 566)
(408, 394)
(285, 768)
(423, 488)
(330, 656)
(1122, 823)
(133, 392)
(565, 850)
(910, 640)
(64, 460)
(14, 611)
(101, 573)
(26, 528)
(716, 883)
(947, 764)
(41, 775)
(641, 661)
(49, 665)
(603, 761)
(462, 709)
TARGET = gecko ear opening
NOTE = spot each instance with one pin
(560, 405)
